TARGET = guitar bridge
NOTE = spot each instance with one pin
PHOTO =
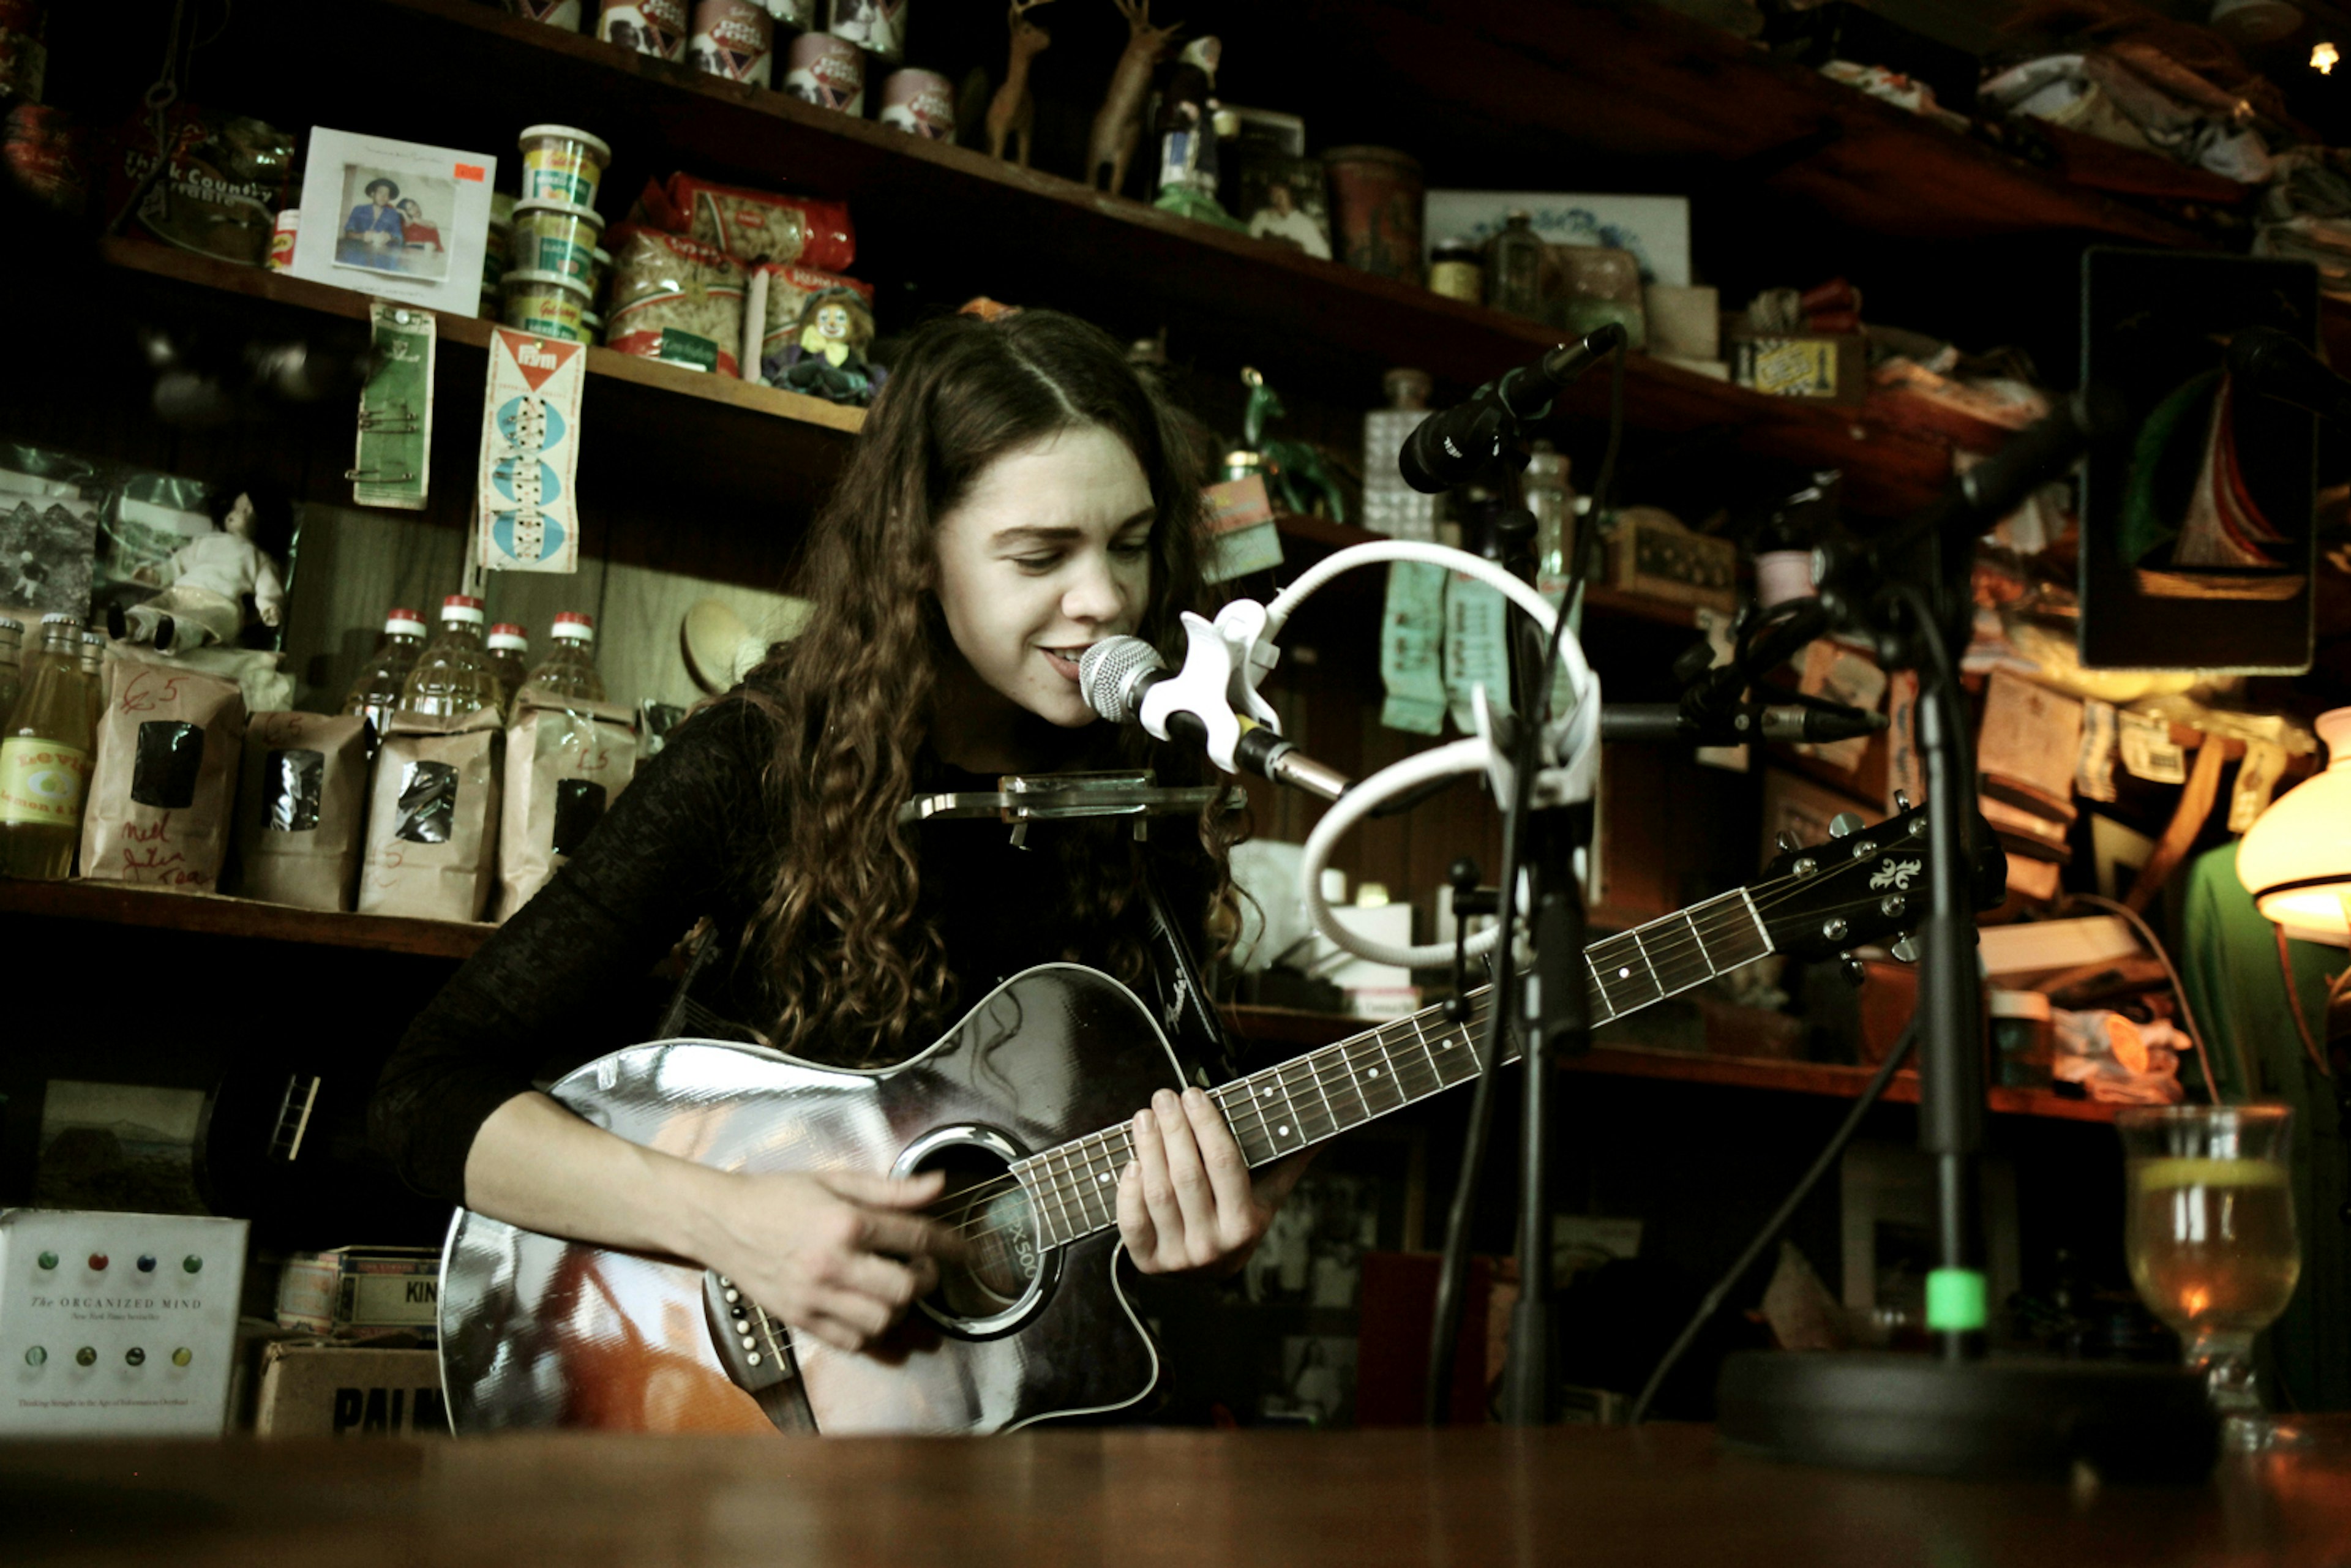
(757, 1352)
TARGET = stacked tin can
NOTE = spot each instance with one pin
(558, 263)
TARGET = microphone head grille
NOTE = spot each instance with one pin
(1107, 673)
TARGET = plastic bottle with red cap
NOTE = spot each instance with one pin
(509, 655)
(454, 675)
(569, 671)
(375, 695)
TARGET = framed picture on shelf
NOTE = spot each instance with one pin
(396, 219)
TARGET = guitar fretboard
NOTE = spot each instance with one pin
(1312, 1097)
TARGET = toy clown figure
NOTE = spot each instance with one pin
(829, 359)
(209, 579)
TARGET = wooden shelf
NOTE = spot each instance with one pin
(212, 914)
(744, 439)
(1304, 1031)
(116, 904)
(1024, 235)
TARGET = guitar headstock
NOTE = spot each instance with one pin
(1860, 884)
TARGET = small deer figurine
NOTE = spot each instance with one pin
(1118, 123)
(1012, 113)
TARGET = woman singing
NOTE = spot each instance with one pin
(1016, 494)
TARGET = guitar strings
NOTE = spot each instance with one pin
(1671, 948)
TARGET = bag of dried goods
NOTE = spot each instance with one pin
(673, 299)
(433, 818)
(754, 226)
(225, 184)
(301, 803)
(162, 793)
(565, 764)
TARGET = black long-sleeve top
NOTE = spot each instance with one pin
(564, 981)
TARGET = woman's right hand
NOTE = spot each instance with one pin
(837, 1256)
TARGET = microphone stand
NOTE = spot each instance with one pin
(1957, 1413)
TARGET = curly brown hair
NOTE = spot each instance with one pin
(839, 940)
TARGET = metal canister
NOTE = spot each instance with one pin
(734, 39)
(826, 71)
(921, 103)
(877, 27)
(656, 27)
(1457, 271)
(1375, 204)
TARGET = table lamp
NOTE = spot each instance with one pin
(2296, 861)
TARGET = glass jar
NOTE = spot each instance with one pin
(1518, 272)
(1457, 271)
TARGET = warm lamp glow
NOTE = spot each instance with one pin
(2296, 861)
(2323, 58)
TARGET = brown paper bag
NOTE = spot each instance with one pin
(300, 805)
(565, 764)
(433, 818)
(163, 792)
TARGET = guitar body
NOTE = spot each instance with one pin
(537, 1331)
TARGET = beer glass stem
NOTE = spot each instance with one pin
(2226, 1360)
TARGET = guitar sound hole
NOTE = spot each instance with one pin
(992, 1210)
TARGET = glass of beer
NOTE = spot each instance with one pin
(2210, 1239)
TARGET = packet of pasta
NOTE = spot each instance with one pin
(673, 299)
(755, 227)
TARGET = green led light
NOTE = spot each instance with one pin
(135, 1356)
(85, 1356)
(36, 1356)
(1955, 1301)
(48, 1260)
(181, 1357)
(192, 1264)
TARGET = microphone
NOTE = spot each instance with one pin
(1799, 722)
(1454, 445)
(2265, 360)
(1120, 676)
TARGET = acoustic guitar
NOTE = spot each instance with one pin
(1024, 1104)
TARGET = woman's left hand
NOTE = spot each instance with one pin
(1187, 1203)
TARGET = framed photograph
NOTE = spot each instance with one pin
(2197, 539)
(1655, 229)
(1283, 198)
(396, 219)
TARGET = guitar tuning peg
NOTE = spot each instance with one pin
(1786, 842)
(1905, 949)
(1902, 800)
(1844, 824)
(1853, 970)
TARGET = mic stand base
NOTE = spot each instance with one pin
(1882, 1410)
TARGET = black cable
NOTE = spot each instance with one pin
(1445, 1328)
(1779, 1217)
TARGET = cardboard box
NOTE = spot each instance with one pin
(313, 1389)
(1819, 365)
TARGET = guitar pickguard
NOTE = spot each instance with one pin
(540, 1332)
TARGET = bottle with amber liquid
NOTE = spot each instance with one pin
(375, 696)
(569, 668)
(454, 675)
(510, 656)
(45, 759)
(12, 672)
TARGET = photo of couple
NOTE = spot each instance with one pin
(385, 229)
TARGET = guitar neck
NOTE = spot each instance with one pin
(1315, 1097)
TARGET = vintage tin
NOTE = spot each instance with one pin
(921, 103)
(1375, 199)
(560, 164)
(734, 39)
(877, 27)
(826, 71)
(656, 27)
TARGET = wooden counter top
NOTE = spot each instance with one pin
(1664, 1495)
